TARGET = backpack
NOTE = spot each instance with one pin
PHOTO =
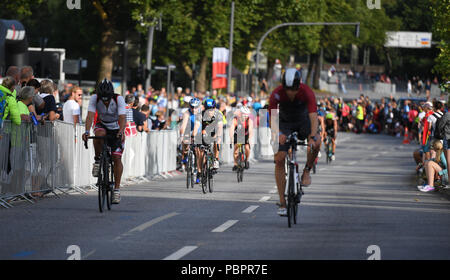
(439, 128)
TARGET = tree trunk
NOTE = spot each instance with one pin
(389, 61)
(316, 76)
(310, 69)
(201, 77)
(108, 43)
(106, 53)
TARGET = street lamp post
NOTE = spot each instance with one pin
(258, 49)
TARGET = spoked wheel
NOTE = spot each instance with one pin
(291, 203)
(210, 179)
(101, 183)
(188, 172)
(204, 176)
(109, 186)
(192, 159)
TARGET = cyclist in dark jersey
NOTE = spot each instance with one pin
(210, 124)
(331, 130)
(241, 131)
(297, 107)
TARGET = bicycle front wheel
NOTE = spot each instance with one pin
(204, 176)
(210, 177)
(291, 203)
(102, 180)
(188, 171)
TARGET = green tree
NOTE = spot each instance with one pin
(440, 12)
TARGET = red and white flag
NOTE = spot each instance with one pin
(219, 71)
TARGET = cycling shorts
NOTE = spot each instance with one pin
(116, 144)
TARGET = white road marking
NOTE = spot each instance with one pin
(89, 254)
(352, 163)
(264, 198)
(225, 226)
(250, 209)
(180, 253)
(146, 225)
(273, 191)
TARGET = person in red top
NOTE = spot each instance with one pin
(297, 112)
(426, 132)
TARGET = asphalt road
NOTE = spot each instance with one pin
(366, 197)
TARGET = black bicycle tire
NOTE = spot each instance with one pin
(204, 175)
(100, 186)
(291, 199)
(210, 177)
(107, 185)
(188, 170)
(112, 185)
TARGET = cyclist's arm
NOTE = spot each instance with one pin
(231, 131)
(122, 114)
(219, 132)
(89, 120)
(183, 124)
(314, 123)
(196, 128)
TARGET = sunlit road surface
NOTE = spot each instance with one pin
(368, 196)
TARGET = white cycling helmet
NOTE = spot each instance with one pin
(187, 99)
(195, 102)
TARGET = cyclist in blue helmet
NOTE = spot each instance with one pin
(210, 124)
(187, 126)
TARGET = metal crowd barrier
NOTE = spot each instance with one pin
(40, 159)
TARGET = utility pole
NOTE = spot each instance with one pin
(258, 48)
(230, 53)
(125, 65)
(151, 30)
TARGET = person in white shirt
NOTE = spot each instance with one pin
(71, 109)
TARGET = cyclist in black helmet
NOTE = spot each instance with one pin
(107, 113)
(297, 112)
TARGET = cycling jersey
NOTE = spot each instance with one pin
(109, 117)
(241, 129)
(209, 123)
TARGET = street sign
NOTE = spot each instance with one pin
(403, 39)
(71, 66)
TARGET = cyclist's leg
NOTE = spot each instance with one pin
(235, 153)
(99, 131)
(280, 175)
(117, 147)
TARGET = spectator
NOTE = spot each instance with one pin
(71, 108)
(14, 71)
(159, 123)
(26, 74)
(130, 128)
(25, 97)
(436, 168)
(428, 89)
(8, 102)
(38, 101)
(138, 117)
(50, 109)
(145, 109)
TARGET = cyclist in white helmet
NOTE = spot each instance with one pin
(187, 126)
(241, 131)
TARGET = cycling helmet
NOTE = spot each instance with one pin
(245, 111)
(195, 102)
(329, 116)
(292, 79)
(210, 103)
(105, 90)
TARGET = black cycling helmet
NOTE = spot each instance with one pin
(105, 90)
(292, 79)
